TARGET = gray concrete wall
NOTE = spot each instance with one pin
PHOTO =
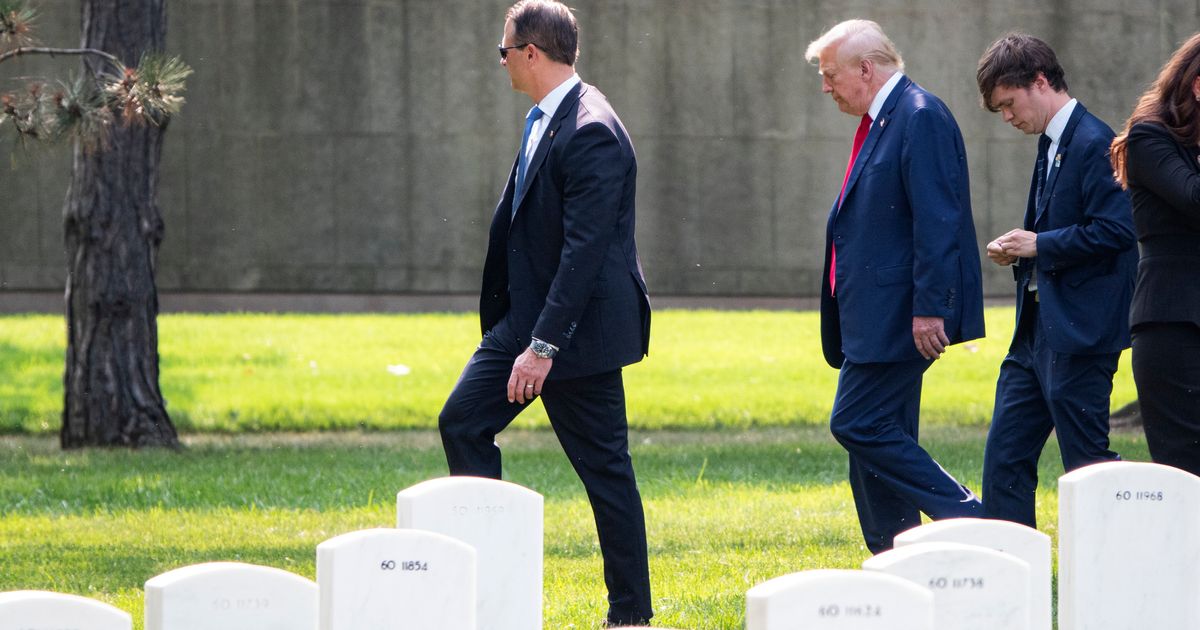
(359, 146)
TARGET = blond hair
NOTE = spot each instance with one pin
(858, 39)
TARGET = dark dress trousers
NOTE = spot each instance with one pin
(1164, 183)
(906, 247)
(562, 266)
(1058, 373)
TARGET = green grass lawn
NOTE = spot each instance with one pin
(707, 369)
(725, 509)
(741, 481)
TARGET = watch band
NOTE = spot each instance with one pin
(542, 349)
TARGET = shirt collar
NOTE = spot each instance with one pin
(882, 95)
(550, 103)
(1058, 124)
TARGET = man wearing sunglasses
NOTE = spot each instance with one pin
(564, 304)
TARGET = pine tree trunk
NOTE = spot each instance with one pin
(113, 229)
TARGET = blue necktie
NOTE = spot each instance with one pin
(523, 160)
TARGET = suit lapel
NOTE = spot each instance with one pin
(539, 156)
(877, 128)
(507, 196)
(1056, 161)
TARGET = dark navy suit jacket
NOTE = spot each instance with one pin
(562, 263)
(905, 237)
(1086, 259)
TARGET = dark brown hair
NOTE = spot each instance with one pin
(1169, 102)
(547, 24)
(1015, 61)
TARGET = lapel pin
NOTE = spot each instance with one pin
(882, 123)
(1058, 161)
(551, 134)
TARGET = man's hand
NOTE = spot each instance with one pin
(1019, 243)
(995, 252)
(929, 335)
(528, 375)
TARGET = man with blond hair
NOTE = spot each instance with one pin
(901, 281)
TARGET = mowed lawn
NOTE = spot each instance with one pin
(706, 370)
(740, 478)
(725, 509)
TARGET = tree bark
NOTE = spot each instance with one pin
(113, 229)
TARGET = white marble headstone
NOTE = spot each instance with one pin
(42, 610)
(503, 522)
(1021, 541)
(1128, 547)
(832, 599)
(974, 588)
(396, 579)
(230, 596)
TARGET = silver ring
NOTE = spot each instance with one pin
(529, 386)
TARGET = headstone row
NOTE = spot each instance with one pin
(947, 575)
(467, 554)
(1129, 557)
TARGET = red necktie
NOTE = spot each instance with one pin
(860, 136)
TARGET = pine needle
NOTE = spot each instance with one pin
(16, 24)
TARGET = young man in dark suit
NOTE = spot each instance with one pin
(564, 305)
(1074, 262)
(901, 281)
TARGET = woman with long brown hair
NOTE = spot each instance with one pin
(1157, 158)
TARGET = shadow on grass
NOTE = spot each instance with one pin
(27, 372)
(338, 471)
(99, 568)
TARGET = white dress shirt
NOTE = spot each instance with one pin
(1054, 131)
(548, 105)
(883, 94)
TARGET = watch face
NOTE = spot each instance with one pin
(542, 349)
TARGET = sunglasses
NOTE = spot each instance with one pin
(504, 49)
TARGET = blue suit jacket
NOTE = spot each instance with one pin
(905, 237)
(562, 263)
(1086, 259)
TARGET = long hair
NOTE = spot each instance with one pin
(1170, 103)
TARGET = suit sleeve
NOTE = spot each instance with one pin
(1153, 162)
(594, 182)
(1107, 228)
(932, 166)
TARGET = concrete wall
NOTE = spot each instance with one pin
(360, 145)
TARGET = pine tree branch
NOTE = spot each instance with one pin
(33, 50)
